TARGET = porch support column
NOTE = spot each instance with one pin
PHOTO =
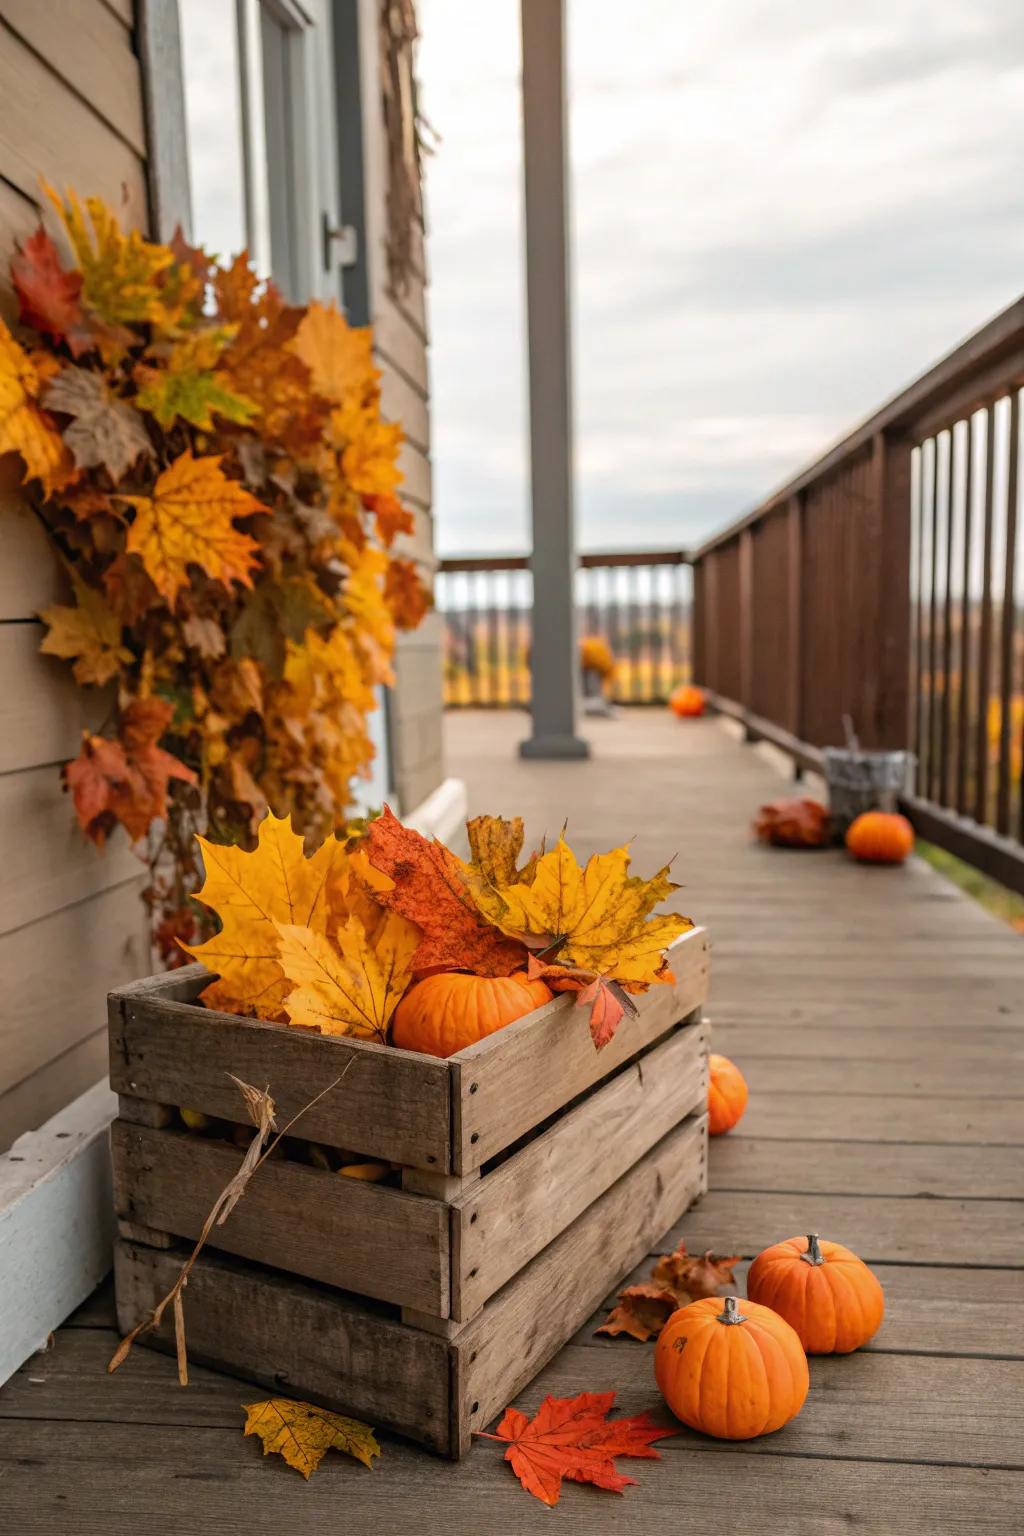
(553, 656)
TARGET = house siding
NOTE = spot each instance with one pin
(71, 923)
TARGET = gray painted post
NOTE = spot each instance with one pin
(553, 655)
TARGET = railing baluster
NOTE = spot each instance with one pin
(1009, 614)
(964, 706)
(947, 622)
(981, 789)
(932, 776)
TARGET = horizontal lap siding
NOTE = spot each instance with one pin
(71, 924)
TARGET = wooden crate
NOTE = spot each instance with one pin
(535, 1172)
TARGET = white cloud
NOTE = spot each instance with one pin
(782, 214)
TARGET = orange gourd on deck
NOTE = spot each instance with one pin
(687, 701)
(442, 1014)
(822, 1289)
(727, 1095)
(731, 1368)
(880, 837)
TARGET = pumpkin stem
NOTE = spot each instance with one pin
(814, 1254)
(731, 1311)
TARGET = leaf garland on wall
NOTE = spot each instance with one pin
(213, 471)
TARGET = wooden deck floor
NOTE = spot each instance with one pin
(877, 1015)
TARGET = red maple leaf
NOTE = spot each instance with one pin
(572, 1437)
(428, 888)
(606, 1000)
(49, 298)
(125, 780)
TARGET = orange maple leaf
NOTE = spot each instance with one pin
(126, 780)
(188, 520)
(572, 1437)
(405, 594)
(429, 889)
(392, 518)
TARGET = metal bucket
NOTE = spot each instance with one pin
(865, 781)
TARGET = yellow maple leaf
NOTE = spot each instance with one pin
(89, 632)
(303, 1433)
(120, 273)
(188, 521)
(597, 918)
(251, 893)
(351, 984)
(23, 427)
(339, 356)
(369, 448)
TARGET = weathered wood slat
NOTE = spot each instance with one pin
(738, 1161)
(505, 1085)
(898, 1407)
(360, 1237)
(227, 1479)
(552, 1296)
(295, 1339)
(880, 1228)
(389, 1103)
(929, 1076)
(511, 1214)
(883, 1117)
(928, 1311)
(991, 1045)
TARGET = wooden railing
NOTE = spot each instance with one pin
(639, 603)
(886, 582)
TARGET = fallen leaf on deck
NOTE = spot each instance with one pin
(676, 1279)
(572, 1437)
(303, 1433)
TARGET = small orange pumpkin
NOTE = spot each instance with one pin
(687, 701)
(727, 1095)
(731, 1368)
(822, 1289)
(880, 837)
(442, 1014)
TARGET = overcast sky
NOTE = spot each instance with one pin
(783, 212)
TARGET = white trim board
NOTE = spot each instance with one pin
(56, 1223)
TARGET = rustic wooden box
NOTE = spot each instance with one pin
(533, 1177)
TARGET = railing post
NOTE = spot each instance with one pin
(891, 456)
(698, 619)
(553, 658)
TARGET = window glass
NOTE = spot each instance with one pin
(224, 124)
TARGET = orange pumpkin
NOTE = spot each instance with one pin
(731, 1368)
(822, 1289)
(727, 1094)
(880, 837)
(443, 1013)
(687, 701)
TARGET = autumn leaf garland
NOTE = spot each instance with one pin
(212, 468)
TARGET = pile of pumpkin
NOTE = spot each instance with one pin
(737, 1368)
